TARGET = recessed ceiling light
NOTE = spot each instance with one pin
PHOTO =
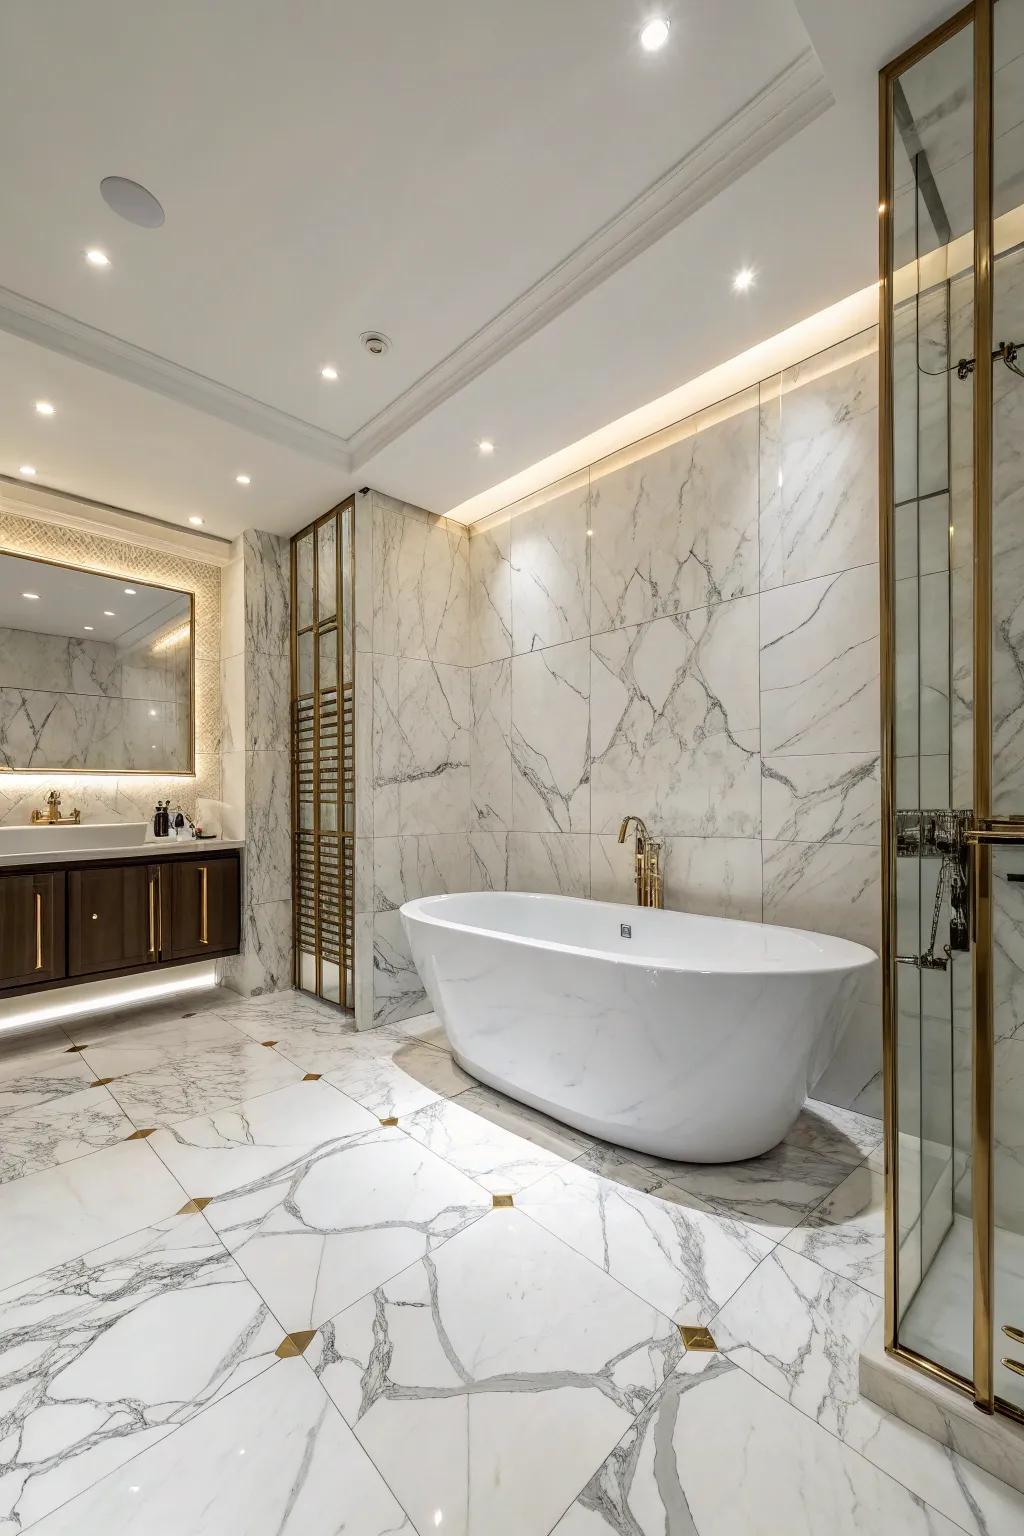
(375, 342)
(152, 714)
(744, 280)
(108, 613)
(33, 597)
(44, 408)
(132, 201)
(129, 591)
(97, 258)
(89, 627)
(654, 34)
(242, 480)
(329, 372)
(196, 522)
(485, 445)
(28, 470)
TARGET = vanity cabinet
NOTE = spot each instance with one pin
(116, 916)
(32, 949)
(112, 918)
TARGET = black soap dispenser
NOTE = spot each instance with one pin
(158, 820)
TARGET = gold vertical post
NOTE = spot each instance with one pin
(888, 701)
(982, 1010)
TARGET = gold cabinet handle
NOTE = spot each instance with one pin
(152, 914)
(204, 911)
(39, 929)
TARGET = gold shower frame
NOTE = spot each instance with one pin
(988, 831)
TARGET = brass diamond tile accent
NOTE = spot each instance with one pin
(312, 1077)
(697, 1338)
(295, 1343)
(100, 1082)
(73, 1048)
(268, 1043)
(390, 1120)
(141, 1135)
(191, 1206)
(500, 1202)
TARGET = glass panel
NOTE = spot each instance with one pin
(348, 606)
(305, 652)
(304, 581)
(933, 318)
(327, 569)
(1008, 1151)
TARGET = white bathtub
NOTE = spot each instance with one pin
(693, 1038)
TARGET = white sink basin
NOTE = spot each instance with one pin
(90, 834)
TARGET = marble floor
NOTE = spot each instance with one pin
(262, 1274)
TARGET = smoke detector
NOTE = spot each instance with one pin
(375, 342)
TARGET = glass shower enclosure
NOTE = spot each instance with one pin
(951, 349)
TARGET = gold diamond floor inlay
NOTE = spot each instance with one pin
(697, 1338)
(141, 1135)
(295, 1343)
(100, 1082)
(312, 1077)
(390, 1120)
(191, 1206)
(73, 1048)
(268, 1043)
(501, 1202)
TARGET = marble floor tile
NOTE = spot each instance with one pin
(837, 1133)
(488, 1380)
(323, 1230)
(177, 1083)
(251, 1015)
(773, 1193)
(321, 1045)
(531, 1124)
(717, 1454)
(665, 1246)
(104, 1354)
(35, 1072)
(426, 1027)
(799, 1329)
(161, 1015)
(846, 1233)
(274, 1459)
(55, 1215)
(137, 1046)
(495, 1158)
(398, 1084)
(54, 1132)
(212, 1154)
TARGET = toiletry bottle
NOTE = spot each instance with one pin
(165, 819)
(179, 824)
(157, 820)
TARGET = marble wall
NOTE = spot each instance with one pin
(256, 690)
(413, 728)
(689, 632)
(129, 796)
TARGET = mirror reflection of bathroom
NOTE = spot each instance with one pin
(511, 772)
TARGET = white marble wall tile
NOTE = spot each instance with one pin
(678, 528)
(921, 356)
(267, 703)
(362, 546)
(491, 752)
(265, 962)
(268, 863)
(490, 608)
(387, 746)
(675, 715)
(551, 739)
(719, 876)
(405, 868)
(819, 665)
(853, 1078)
(267, 592)
(232, 687)
(557, 863)
(488, 861)
(434, 720)
(397, 989)
(828, 798)
(550, 559)
(433, 580)
(828, 888)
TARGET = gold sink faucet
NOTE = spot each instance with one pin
(52, 817)
(647, 863)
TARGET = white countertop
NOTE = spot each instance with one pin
(152, 848)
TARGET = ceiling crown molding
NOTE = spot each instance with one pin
(788, 103)
(62, 333)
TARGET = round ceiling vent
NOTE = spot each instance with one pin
(375, 342)
(131, 201)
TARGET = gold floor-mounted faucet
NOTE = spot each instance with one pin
(52, 817)
(647, 863)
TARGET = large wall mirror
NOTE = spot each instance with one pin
(95, 672)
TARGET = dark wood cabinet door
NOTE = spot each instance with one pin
(201, 907)
(112, 918)
(31, 929)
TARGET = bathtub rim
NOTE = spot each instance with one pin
(858, 956)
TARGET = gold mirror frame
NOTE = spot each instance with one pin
(121, 773)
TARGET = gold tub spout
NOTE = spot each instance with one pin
(647, 863)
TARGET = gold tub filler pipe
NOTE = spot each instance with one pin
(647, 863)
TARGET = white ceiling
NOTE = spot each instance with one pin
(544, 219)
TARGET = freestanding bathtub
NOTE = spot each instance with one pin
(693, 1038)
